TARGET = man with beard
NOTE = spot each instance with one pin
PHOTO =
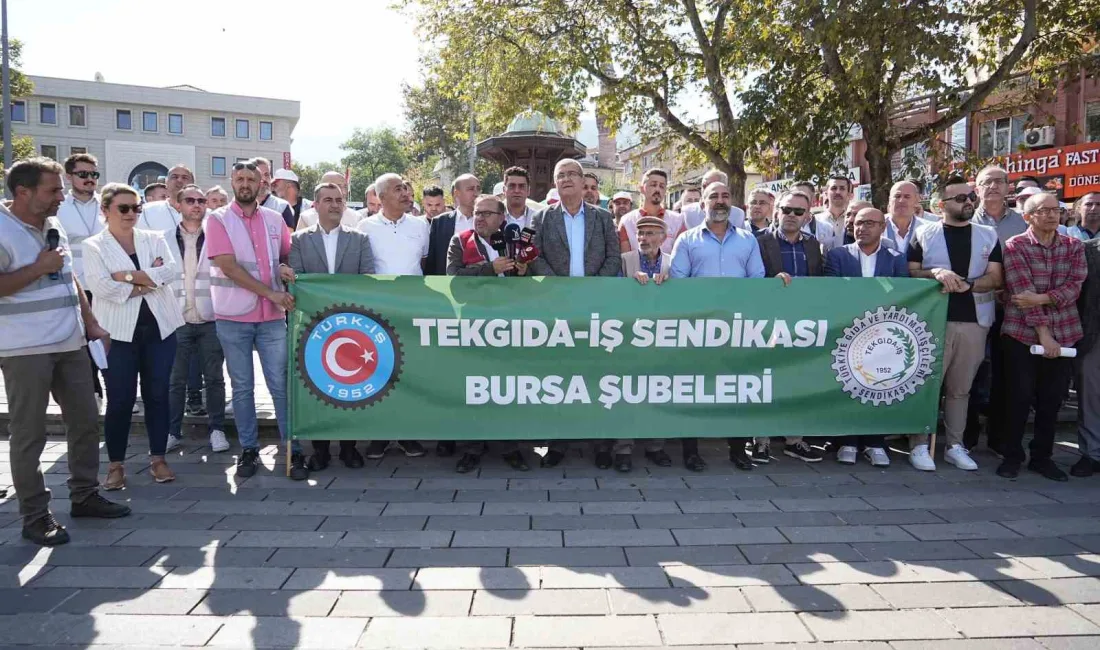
(965, 258)
(285, 185)
(695, 214)
(838, 194)
(164, 216)
(653, 188)
(248, 246)
(434, 203)
(850, 220)
(621, 204)
(761, 210)
(349, 218)
(371, 203)
(517, 188)
(269, 200)
(716, 249)
(591, 188)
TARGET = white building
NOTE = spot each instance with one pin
(139, 132)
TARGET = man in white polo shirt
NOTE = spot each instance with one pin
(400, 244)
(164, 216)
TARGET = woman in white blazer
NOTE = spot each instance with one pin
(129, 272)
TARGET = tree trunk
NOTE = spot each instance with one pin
(878, 162)
(734, 167)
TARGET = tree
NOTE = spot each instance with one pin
(828, 65)
(308, 177)
(437, 124)
(371, 153)
(651, 61)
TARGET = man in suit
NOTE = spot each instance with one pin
(331, 247)
(868, 257)
(471, 254)
(574, 239)
(787, 253)
(1088, 365)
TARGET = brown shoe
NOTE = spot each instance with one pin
(116, 477)
(161, 472)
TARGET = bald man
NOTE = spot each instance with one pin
(902, 220)
(349, 219)
(464, 191)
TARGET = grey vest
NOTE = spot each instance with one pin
(982, 241)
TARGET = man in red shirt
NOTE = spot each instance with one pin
(1044, 271)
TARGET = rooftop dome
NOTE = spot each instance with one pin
(533, 122)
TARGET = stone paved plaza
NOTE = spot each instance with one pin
(407, 554)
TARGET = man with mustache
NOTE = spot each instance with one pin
(653, 188)
(716, 249)
(965, 258)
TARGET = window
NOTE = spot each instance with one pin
(19, 111)
(123, 120)
(75, 150)
(47, 113)
(959, 145)
(175, 124)
(266, 131)
(242, 129)
(1092, 121)
(217, 166)
(149, 121)
(217, 127)
(242, 159)
(78, 115)
(1001, 137)
(49, 151)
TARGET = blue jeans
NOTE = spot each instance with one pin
(269, 341)
(152, 361)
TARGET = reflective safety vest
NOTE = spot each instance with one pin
(203, 301)
(46, 311)
(228, 298)
(982, 241)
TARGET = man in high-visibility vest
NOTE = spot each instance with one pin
(47, 322)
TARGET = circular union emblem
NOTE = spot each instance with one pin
(884, 356)
(349, 356)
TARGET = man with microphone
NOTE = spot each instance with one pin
(483, 252)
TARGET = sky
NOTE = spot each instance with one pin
(345, 62)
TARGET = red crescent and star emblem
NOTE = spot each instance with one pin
(349, 356)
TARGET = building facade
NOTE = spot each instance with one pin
(139, 132)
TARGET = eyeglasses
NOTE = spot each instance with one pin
(868, 222)
(798, 212)
(572, 173)
(1046, 212)
(86, 175)
(190, 200)
(963, 198)
(127, 208)
(244, 165)
(485, 214)
(990, 182)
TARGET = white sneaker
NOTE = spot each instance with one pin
(218, 443)
(959, 457)
(138, 408)
(877, 457)
(173, 442)
(846, 455)
(920, 459)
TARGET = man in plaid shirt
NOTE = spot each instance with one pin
(1044, 271)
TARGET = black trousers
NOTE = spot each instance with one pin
(322, 446)
(1032, 380)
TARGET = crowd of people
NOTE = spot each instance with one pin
(165, 288)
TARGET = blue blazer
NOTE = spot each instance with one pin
(843, 262)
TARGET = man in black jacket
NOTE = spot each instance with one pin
(464, 191)
(1088, 367)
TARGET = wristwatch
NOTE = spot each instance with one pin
(129, 277)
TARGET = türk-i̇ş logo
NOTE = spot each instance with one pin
(349, 356)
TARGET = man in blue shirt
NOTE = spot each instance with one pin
(716, 249)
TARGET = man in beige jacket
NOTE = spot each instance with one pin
(649, 261)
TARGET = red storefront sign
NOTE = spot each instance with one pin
(1070, 172)
(286, 160)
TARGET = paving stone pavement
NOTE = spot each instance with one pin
(406, 554)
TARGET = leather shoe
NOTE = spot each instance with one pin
(467, 463)
(695, 463)
(298, 469)
(318, 461)
(603, 459)
(660, 458)
(97, 506)
(352, 458)
(1009, 469)
(1084, 468)
(740, 458)
(515, 461)
(445, 448)
(46, 532)
(623, 463)
(552, 458)
(1048, 469)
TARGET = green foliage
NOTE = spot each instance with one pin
(371, 153)
(310, 175)
(437, 124)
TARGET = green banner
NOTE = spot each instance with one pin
(382, 357)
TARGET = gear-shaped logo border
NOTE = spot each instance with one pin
(883, 317)
(382, 393)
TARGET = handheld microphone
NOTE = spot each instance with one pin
(511, 238)
(526, 251)
(496, 240)
(53, 240)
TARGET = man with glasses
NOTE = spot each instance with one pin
(850, 222)
(1044, 272)
(965, 259)
(1088, 217)
(80, 217)
(988, 392)
(761, 210)
(197, 341)
(590, 246)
